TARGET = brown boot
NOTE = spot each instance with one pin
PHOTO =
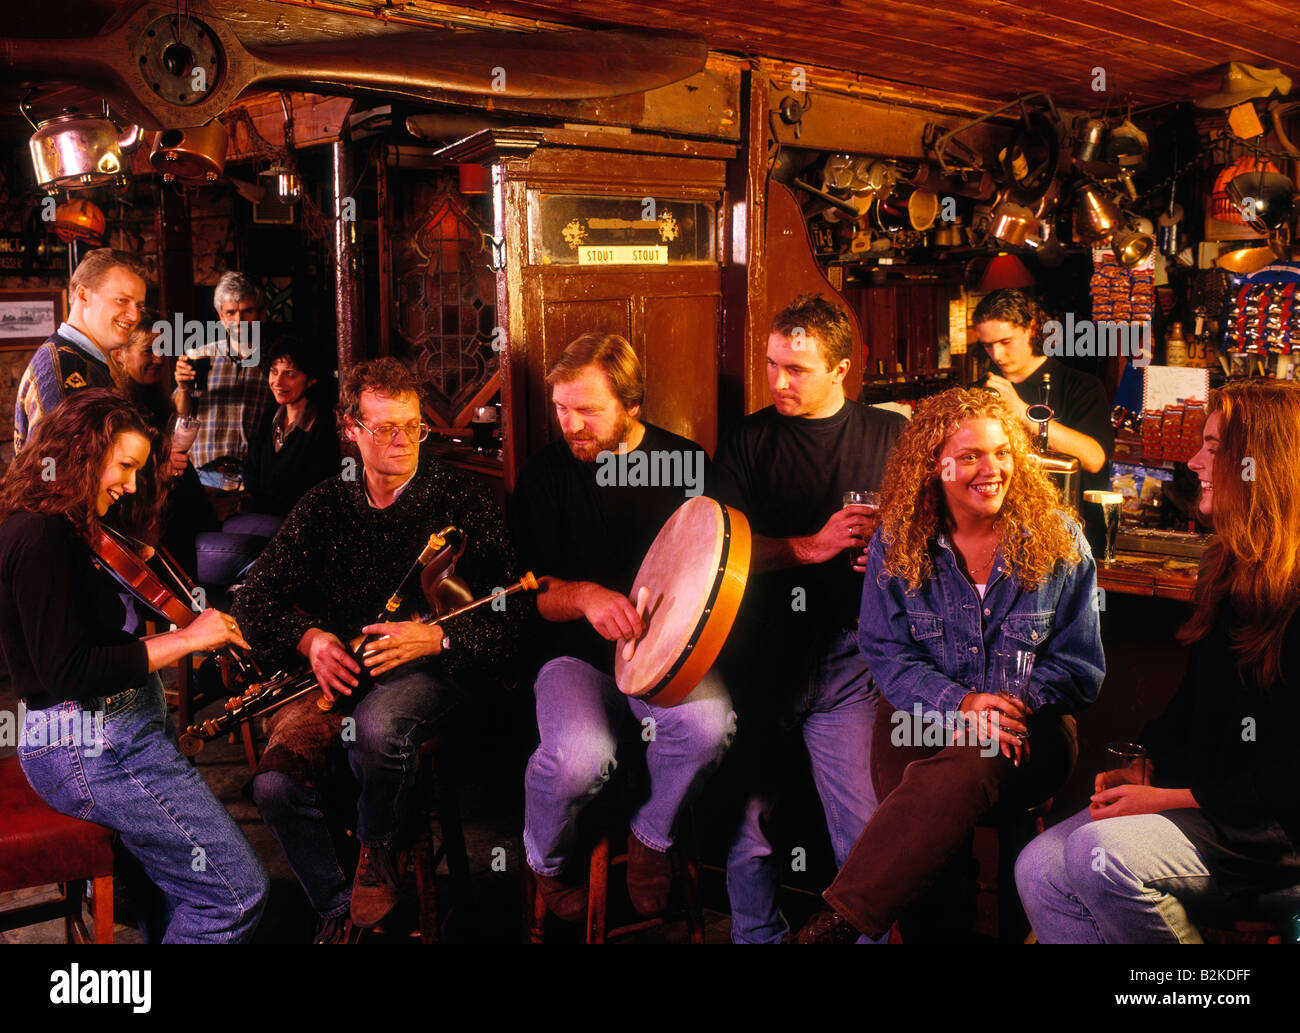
(562, 898)
(375, 890)
(827, 926)
(649, 877)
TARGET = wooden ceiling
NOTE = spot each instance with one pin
(964, 53)
(983, 49)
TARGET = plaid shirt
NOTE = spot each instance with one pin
(232, 408)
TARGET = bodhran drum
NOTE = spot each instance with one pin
(694, 576)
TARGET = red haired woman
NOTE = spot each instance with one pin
(973, 555)
(97, 742)
(1214, 820)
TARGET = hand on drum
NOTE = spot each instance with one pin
(611, 613)
(334, 668)
(1001, 719)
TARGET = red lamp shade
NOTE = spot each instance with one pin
(1004, 271)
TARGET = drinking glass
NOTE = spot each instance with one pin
(1127, 762)
(868, 500)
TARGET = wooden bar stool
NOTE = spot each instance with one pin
(441, 838)
(686, 875)
(38, 846)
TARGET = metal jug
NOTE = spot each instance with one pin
(72, 149)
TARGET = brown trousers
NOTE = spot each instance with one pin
(932, 798)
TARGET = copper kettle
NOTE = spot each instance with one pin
(72, 149)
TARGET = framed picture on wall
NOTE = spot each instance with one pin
(29, 315)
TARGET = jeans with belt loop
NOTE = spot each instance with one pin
(113, 760)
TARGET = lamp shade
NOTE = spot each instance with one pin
(1004, 271)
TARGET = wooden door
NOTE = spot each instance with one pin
(671, 313)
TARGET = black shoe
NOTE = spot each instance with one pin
(331, 929)
(827, 926)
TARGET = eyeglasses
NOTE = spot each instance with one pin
(385, 434)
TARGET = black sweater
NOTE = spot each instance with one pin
(337, 559)
(277, 480)
(60, 617)
(1231, 743)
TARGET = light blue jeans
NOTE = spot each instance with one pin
(579, 713)
(835, 715)
(132, 779)
(1117, 880)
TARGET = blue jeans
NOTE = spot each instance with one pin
(223, 556)
(579, 712)
(835, 715)
(390, 722)
(1117, 880)
(131, 778)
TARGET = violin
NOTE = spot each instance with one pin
(178, 602)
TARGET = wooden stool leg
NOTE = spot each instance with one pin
(453, 833)
(74, 926)
(690, 877)
(103, 908)
(537, 927)
(598, 891)
(425, 888)
(250, 745)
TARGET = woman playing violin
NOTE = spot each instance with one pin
(97, 743)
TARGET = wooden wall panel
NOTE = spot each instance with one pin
(681, 335)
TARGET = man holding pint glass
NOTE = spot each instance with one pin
(224, 386)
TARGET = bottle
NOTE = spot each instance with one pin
(1175, 346)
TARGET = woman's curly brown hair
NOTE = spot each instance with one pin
(1034, 537)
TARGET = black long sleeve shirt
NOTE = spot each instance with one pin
(337, 559)
(60, 617)
(1231, 742)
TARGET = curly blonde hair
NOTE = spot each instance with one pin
(1034, 536)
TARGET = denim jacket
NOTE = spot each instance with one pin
(933, 645)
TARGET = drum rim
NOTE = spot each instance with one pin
(719, 578)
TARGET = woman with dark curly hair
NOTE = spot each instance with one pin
(96, 742)
(973, 555)
(1212, 821)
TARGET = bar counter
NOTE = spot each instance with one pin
(1149, 574)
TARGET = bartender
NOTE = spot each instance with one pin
(1009, 325)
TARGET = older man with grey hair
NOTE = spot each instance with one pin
(230, 407)
(236, 396)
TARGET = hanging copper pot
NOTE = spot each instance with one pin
(1098, 215)
(194, 155)
(1012, 223)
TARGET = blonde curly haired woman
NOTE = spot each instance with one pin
(974, 555)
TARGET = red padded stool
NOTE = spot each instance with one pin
(38, 845)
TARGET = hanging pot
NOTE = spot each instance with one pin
(1265, 199)
(1012, 223)
(1131, 246)
(1098, 215)
(73, 149)
(195, 155)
